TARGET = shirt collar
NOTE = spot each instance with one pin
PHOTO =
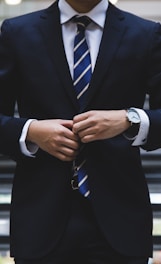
(97, 14)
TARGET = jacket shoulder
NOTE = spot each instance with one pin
(29, 18)
(133, 20)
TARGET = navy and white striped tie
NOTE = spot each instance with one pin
(82, 77)
(82, 60)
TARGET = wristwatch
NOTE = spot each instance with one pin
(133, 116)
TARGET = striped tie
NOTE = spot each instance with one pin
(82, 60)
(82, 77)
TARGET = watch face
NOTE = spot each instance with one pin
(133, 116)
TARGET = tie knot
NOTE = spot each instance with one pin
(82, 22)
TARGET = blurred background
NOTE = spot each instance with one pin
(150, 9)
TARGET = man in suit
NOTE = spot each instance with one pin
(51, 221)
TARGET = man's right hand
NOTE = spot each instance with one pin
(55, 136)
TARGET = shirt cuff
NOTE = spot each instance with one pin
(27, 148)
(141, 137)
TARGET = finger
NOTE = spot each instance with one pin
(67, 154)
(80, 126)
(88, 138)
(74, 145)
(72, 136)
(80, 117)
(86, 132)
(67, 130)
(63, 157)
(67, 123)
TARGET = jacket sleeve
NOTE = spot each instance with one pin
(10, 125)
(154, 90)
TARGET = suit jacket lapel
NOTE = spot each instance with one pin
(51, 30)
(112, 35)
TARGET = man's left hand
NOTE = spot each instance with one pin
(99, 124)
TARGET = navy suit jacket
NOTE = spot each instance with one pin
(34, 73)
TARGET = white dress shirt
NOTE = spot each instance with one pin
(93, 35)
